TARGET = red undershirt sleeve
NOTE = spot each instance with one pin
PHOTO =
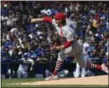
(47, 19)
(67, 44)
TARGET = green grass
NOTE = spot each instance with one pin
(6, 83)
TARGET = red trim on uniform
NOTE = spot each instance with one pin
(98, 67)
(61, 34)
(47, 19)
(67, 44)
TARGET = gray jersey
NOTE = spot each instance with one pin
(68, 31)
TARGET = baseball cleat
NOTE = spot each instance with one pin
(52, 77)
(104, 68)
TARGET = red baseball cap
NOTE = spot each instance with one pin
(60, 16)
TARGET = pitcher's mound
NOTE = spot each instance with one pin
(95, 80)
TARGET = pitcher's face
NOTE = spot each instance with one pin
(58, 22)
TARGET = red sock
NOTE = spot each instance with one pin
(58, 66)
(55, 72)
(98, 67)
(91, 65)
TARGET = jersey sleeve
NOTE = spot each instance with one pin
(47, 19)
(67, 44)
(69, 38)
(70, 35)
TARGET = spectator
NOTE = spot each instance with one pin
(24, 66)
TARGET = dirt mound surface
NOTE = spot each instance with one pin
(95, 80)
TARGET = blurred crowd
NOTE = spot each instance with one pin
(25, 46)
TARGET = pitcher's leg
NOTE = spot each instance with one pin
(59, 62)
(87, 64)
(61, 56)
